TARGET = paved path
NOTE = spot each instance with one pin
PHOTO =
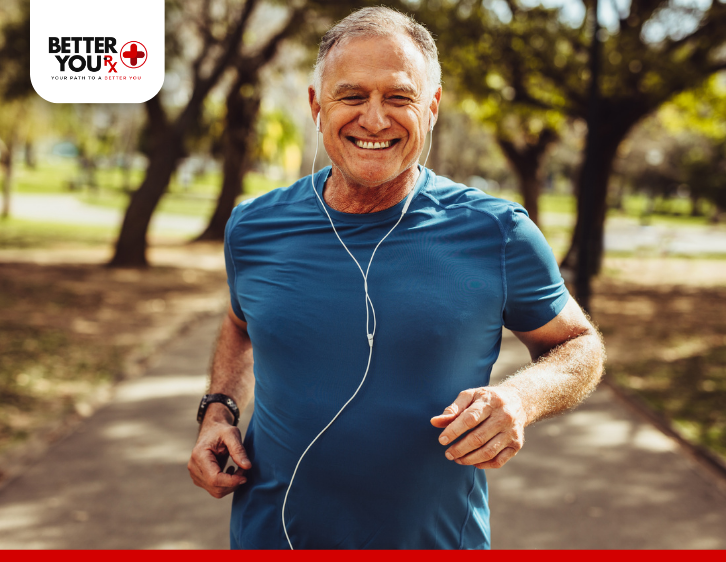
(69, 209)
(597, 478)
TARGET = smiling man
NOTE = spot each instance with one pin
(354, 355)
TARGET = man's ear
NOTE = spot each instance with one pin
(434, 107)
(314, 105)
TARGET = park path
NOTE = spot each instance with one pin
(601, 477)
(68, 209)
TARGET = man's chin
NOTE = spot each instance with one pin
(369, 176)
(366, 178)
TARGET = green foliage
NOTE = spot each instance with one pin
(278, 140)
(683, 148)
(701, 110)
(25, 234)
(534, 57)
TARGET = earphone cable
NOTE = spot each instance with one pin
(368, 301)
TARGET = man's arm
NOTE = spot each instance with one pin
(568, 357)
(218, 439)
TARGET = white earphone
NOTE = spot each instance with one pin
(369, 303)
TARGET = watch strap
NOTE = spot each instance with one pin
(208, 399)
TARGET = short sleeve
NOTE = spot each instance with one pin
(232, 267)
(536, 292)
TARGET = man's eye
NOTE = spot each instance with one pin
(400, 99)
(353, 98)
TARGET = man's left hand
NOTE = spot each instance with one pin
(493, 420)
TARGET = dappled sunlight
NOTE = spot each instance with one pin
(18, 516)
(150, 388)
(650, 439)
(120, 481)
(602, 477)
(605, 479)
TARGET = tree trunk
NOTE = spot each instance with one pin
(7, 162)
(242, 113)
(29, 154)
(531, 187)
(594, 179)
(527, 165)
(592, 192)
(131, 244)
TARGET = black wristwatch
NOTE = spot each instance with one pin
(208, 399)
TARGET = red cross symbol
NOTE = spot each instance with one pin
(136, 51)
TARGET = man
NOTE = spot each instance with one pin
(452, 266)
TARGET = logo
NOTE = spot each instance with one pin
(135, 57)
(85, 51)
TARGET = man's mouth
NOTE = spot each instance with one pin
(373, 145)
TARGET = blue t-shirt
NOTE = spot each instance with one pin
(459, 266)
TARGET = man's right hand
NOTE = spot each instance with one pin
(218, 440)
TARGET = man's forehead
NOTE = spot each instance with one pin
(393, 58)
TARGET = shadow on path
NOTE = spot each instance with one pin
(121, 480)
(602, 478)
(596, 478)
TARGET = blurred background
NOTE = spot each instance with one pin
(606, 119)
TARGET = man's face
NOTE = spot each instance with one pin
(374, 93)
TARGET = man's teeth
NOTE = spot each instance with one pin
(372, 145)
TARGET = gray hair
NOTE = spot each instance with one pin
(379, 22)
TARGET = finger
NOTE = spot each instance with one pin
(224, 480)
(206, 464)
(221, 485)
(481, 445)
(451, 412)
(233, 441)
(499, 460)
(470, 418)
(221, 491)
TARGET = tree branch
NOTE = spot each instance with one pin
(202, 86)
(269, 50)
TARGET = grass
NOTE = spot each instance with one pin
(667, 345)
(63, 175)
(19, 233)
(66, 329)
(690, 391)
(197, 203)
(172, 203)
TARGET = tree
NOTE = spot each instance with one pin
(680, 151)
(15, 89)
(243, 104)
(701, 112)
(220, 34)
(650, 56)
(525, 156)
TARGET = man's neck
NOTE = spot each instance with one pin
(349, 197)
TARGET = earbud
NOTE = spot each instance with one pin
(317, 124)
(432, 121)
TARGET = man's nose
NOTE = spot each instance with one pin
(374, 118)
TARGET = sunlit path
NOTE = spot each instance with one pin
(597, 478)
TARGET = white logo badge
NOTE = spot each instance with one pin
(97, 51)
